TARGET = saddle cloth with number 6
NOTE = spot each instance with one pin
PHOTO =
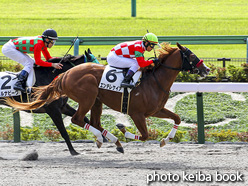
(112, 78)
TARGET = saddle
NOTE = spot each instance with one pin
(111, 80)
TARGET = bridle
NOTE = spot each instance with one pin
(186, 62)
(187, 65)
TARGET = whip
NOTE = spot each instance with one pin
(67, 52)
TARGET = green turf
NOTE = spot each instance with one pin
(113, 18)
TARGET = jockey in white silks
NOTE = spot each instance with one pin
(131, 55)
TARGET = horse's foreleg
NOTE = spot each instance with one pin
(140, 123)
(164, 113)
(95, 120)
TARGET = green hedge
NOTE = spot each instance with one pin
(218, 74)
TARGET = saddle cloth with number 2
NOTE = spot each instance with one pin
(7, 81)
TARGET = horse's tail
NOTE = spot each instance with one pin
(42, 95)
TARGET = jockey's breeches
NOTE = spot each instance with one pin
(122, 62)
(10, 51)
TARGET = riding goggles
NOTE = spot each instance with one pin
(152, 45)
(52, 41)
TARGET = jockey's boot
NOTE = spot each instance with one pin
(21, 83)
(126, 81)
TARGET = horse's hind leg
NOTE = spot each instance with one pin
(78, 118)
(84, 91)
(95, 120)
(56, 116)
(69, 111)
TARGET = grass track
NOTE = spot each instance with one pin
(113, 18)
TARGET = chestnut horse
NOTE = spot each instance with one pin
(147, 99)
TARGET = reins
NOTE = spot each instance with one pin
(72, 64)
(168, 67)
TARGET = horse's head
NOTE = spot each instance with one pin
(90, 57)
(87, 57)
(192, 63)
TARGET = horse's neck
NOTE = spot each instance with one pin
(166, 76)
(44, 75)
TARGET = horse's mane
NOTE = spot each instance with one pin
(74, 58)
(165, 50)
(67, 58)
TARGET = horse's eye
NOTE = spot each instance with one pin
(192, 57)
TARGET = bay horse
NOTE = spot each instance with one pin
(44, 76)
(147, 99)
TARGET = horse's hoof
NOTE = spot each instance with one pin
(120, 126)
(120, 149)
(163, 142)
(74, 153)
(98, 144)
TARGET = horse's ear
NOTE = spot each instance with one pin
(179, 46)
(87, 55)
(89, 51)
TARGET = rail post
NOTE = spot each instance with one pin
(133, 5)
(17, 126)
(200, 118)
(224, 61)
(246, 50)
(76, 47)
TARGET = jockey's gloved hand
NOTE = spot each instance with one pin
(155, 61)
(57, 65)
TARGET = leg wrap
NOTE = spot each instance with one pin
(131, 136)
(110, 136)
(173, 131)
(96, 132)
